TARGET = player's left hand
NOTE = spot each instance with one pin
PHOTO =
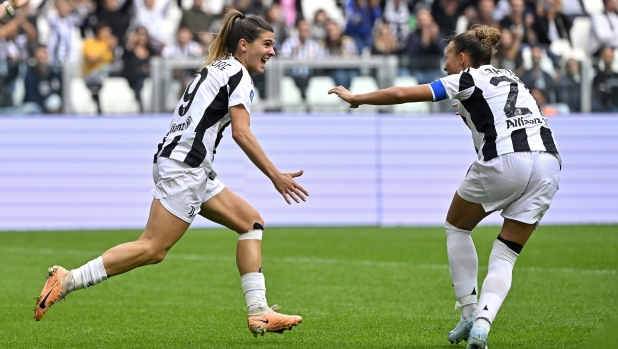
(344, 94)
(288, 188)
(456, 105)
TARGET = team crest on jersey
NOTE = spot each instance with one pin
(251, 96)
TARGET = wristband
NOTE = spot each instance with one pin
(9, 8)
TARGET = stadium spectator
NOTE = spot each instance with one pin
(183, 48)
(291, 10)
(117, 16)
(508, 53)
(136, 60)
(100, 59)
(250, 7)
(397, 16)
(360, 16)
(69, 14)
(318, 26)
(604, 28)
(274, 17)
(15, 35)
(43, 84)
(338, 45)
(568, 88)
(535, 77)
(541, 101)
(426, 48)
(447, 12)
(197, 20)
(482, 14)
(519, 20)
(301, 47)
(151, 16)
(384, 42)
(550, 24)
(605, 85)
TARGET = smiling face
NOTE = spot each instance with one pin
(255, 55)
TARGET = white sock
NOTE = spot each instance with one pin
(88, 275)
(463, 266)
(497, 283)
(254, 287)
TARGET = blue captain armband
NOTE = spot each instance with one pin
(439, 92)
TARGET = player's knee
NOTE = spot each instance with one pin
(253, 234)
(154, 254)
(158, 257)
(452, 229)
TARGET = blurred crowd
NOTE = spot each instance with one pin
(119, 37)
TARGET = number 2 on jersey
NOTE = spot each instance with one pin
(509, 107)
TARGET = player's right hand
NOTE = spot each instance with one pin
(456, 105)
(344, 94)
(288, 188)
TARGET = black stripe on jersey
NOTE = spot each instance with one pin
(219, 136)
(217, 109)
(520, 140)
(159, 149)
(482, 117)
(170, 147)
(548, 140)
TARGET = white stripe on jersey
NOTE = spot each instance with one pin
(499, 110)
(202, 114)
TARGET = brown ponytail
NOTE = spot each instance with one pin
(479, 43)
(235, 27)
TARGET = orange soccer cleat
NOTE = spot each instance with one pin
(272, 321)
(52, 292)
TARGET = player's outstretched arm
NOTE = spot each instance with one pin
(13, 5)
(387, 96)
(283, 182)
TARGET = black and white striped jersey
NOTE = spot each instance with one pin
(202, 114)
(499, 110)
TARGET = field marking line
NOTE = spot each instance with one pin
(305, 260)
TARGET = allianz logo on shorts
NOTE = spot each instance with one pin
(519, 122)
(192, 213)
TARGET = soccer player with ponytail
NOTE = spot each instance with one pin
(516, 171)
(186, 183)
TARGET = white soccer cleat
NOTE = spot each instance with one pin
(478, 338)
(461, 332)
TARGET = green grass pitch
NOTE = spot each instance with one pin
(362, 287)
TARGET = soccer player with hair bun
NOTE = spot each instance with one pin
(186, 183)
(516, 171)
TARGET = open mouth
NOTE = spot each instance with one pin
(264, 60)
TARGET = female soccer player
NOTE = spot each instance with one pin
(186, 183)
(9, 6)
(517, 170)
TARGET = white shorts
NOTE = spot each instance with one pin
(521, 184)
(183, 189)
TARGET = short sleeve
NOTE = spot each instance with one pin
(455, 86)
(243, 94)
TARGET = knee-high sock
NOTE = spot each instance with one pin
(498, 281)
(463, 266)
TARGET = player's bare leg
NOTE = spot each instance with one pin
(462, 217)
(162, 231)
(233, 212)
